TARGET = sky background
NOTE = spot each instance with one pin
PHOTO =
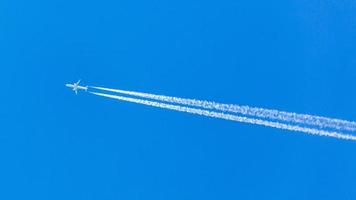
(295, 55)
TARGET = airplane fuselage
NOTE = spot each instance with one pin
(77, 87)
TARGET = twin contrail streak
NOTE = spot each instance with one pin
(230, 117)
(268, 114)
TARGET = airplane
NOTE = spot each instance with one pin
(76, 87)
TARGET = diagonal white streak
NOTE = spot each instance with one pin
(270, 114)
(230, 117)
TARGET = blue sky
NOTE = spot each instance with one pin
(290, 55)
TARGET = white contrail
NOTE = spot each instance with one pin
(230, 117)
(270, 114)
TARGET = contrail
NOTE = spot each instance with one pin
(270, 114)
(230, 117)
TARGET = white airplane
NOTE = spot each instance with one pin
(76, 87)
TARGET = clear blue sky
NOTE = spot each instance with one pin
(293, 55)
